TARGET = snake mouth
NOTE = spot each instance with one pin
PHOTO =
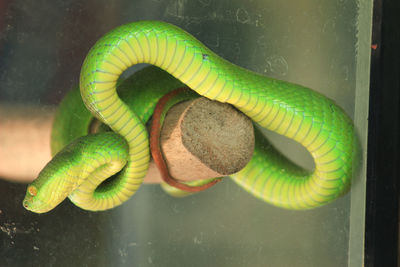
(34, 204)
(25, 204)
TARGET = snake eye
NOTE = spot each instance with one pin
(32, 190)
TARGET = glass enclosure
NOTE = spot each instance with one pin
(323, 45)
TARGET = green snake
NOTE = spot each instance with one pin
(83, 163)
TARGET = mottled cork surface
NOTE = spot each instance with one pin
(203, 139)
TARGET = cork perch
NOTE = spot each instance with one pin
(200, 139)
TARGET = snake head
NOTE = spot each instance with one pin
(47, 190)
(36, 201)
(31, 202)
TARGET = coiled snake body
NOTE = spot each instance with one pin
(287, 109)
